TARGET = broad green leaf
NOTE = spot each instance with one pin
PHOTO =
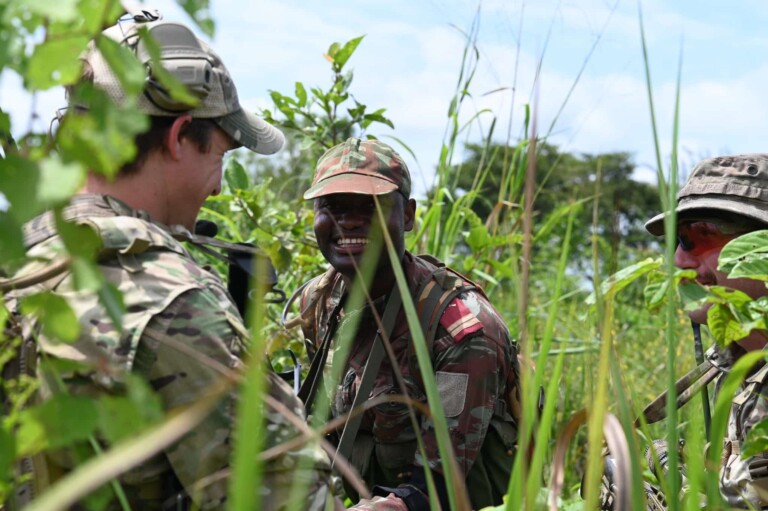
(724, 326)
(55, 315)
(131, 73)
(60, 10)
(96, 14)
(12, 248)
(301, 94)
(54, 62)
(112, 300)
(7, 451)
(62, 420)
(81, 240)
(5, 121)
(625, 277)
(341, 57)
(756, 441)
(478, 238)
(333, 49)
(199, 11)
(746, 256)
(58, 181)
(86, 275)
(19, 180)
(102, 138)
(692, 294)
(126, 416)
(237, 177)
(733, 296)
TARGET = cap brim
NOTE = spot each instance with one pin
(351, 182)
(709, 206)
(252, 132)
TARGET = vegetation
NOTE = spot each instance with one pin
(555, 238)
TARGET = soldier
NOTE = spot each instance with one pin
(180, 325)
(473, 356)
(724, 198)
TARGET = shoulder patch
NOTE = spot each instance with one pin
(459, 321)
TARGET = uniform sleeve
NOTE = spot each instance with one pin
(744, 481)
(470, 378)
(196, 320)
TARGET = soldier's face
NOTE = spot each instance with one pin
(346, 222)
(202, 177)
(699, 246)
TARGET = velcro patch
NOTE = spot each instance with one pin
(459, 321)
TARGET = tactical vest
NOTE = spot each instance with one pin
(436, 288)
(123, 239)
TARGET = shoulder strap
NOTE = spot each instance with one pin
(370, 372)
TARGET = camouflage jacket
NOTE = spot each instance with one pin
(166, 291)
(476, 371)
(744, 482)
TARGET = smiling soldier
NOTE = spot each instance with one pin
(474, 359)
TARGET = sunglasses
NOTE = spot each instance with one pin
(699, 236)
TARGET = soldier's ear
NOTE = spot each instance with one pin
(174, 136)
(409, 216)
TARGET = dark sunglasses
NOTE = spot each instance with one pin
(698, 237)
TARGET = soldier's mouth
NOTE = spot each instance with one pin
(351, 242)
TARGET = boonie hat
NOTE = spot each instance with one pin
(735, 184)
(366, 167)
(199, 68)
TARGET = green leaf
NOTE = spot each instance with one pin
(123, 62)
(12, 248)
(301, 94)
(746, 256)
(81, 240)
(112, 300)
(341, 56)
(5, 122)
(237, 177)
(60, 10)
(86, 275)
(756, 441)
(54, 62)
(59, 181)
(59, 422)
(56, 316)
(19, 178)
(333, 49)
(621, 279)
(7, 452)
(102, 138)
(724, 325)
(199, 11)
(478, 238)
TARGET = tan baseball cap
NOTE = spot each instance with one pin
(199, 68)
(366, 167)
(736, 184)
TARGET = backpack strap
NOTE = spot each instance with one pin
(433, 295)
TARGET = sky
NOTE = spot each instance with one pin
(591, 87)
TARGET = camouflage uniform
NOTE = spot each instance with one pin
(166, 291)
(743, 482)
(476, 371)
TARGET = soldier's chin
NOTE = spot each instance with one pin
(699, 315)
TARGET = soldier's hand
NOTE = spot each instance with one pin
(388, 503)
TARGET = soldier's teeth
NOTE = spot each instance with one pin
(352, 241)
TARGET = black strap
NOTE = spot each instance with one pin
(308, 389)
(369, 373)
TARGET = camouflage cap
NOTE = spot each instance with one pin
(735, 184)
(198, 67)
(367, 167)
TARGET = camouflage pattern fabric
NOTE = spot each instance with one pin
(166, 291)
(744, 482)
(476, 371)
